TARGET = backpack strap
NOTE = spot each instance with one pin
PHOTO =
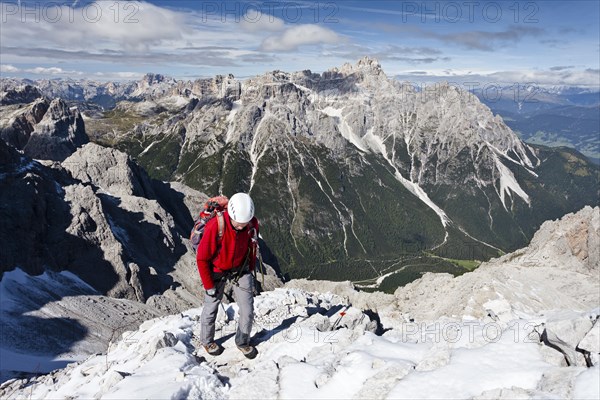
(221, 224)
(253, 239)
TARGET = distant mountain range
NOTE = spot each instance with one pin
(354, 175)
(560, 116)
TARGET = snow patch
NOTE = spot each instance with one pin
(237, 105)
(311, 345)
(345, 129)
(508, 183)
(255, 156)
(377, 143)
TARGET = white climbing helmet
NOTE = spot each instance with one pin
(241, 208)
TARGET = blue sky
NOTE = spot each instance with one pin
(542, 42)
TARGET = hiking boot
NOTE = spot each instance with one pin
(213, 349)
(248, 351)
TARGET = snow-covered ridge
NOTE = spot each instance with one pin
(317, 345)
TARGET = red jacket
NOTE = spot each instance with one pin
(232, 253)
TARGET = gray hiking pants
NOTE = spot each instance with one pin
(245, 301)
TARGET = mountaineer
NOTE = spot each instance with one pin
(227, 252)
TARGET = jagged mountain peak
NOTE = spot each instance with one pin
(366, 65)
(439, 143)
(151, 78)
(336, 139)
(58, 109)
(44, 129)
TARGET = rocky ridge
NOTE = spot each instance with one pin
(313, 335)
(555, 280)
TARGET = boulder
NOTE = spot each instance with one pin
(591, 343)
(565, 335)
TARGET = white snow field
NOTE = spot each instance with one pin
(316, 345)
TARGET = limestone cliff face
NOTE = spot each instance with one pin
(58, 134)
(18, 94)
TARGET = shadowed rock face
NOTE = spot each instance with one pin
(99, 216)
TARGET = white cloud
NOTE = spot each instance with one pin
(119, 75)
(7, 68)
(300, 35)
(132, 33)
(108, 25)
(51, 71)
(255, 21)
(548, 77)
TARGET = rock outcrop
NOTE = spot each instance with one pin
(565, 333)
(19, 123)
(58, 134)
(99, 216)
(110, 170)
(558, 270)
(42, 129)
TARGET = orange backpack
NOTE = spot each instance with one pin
(213, 207)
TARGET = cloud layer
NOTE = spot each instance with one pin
(301, 35)
(182, 39)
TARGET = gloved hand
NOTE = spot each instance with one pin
(211, 292)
